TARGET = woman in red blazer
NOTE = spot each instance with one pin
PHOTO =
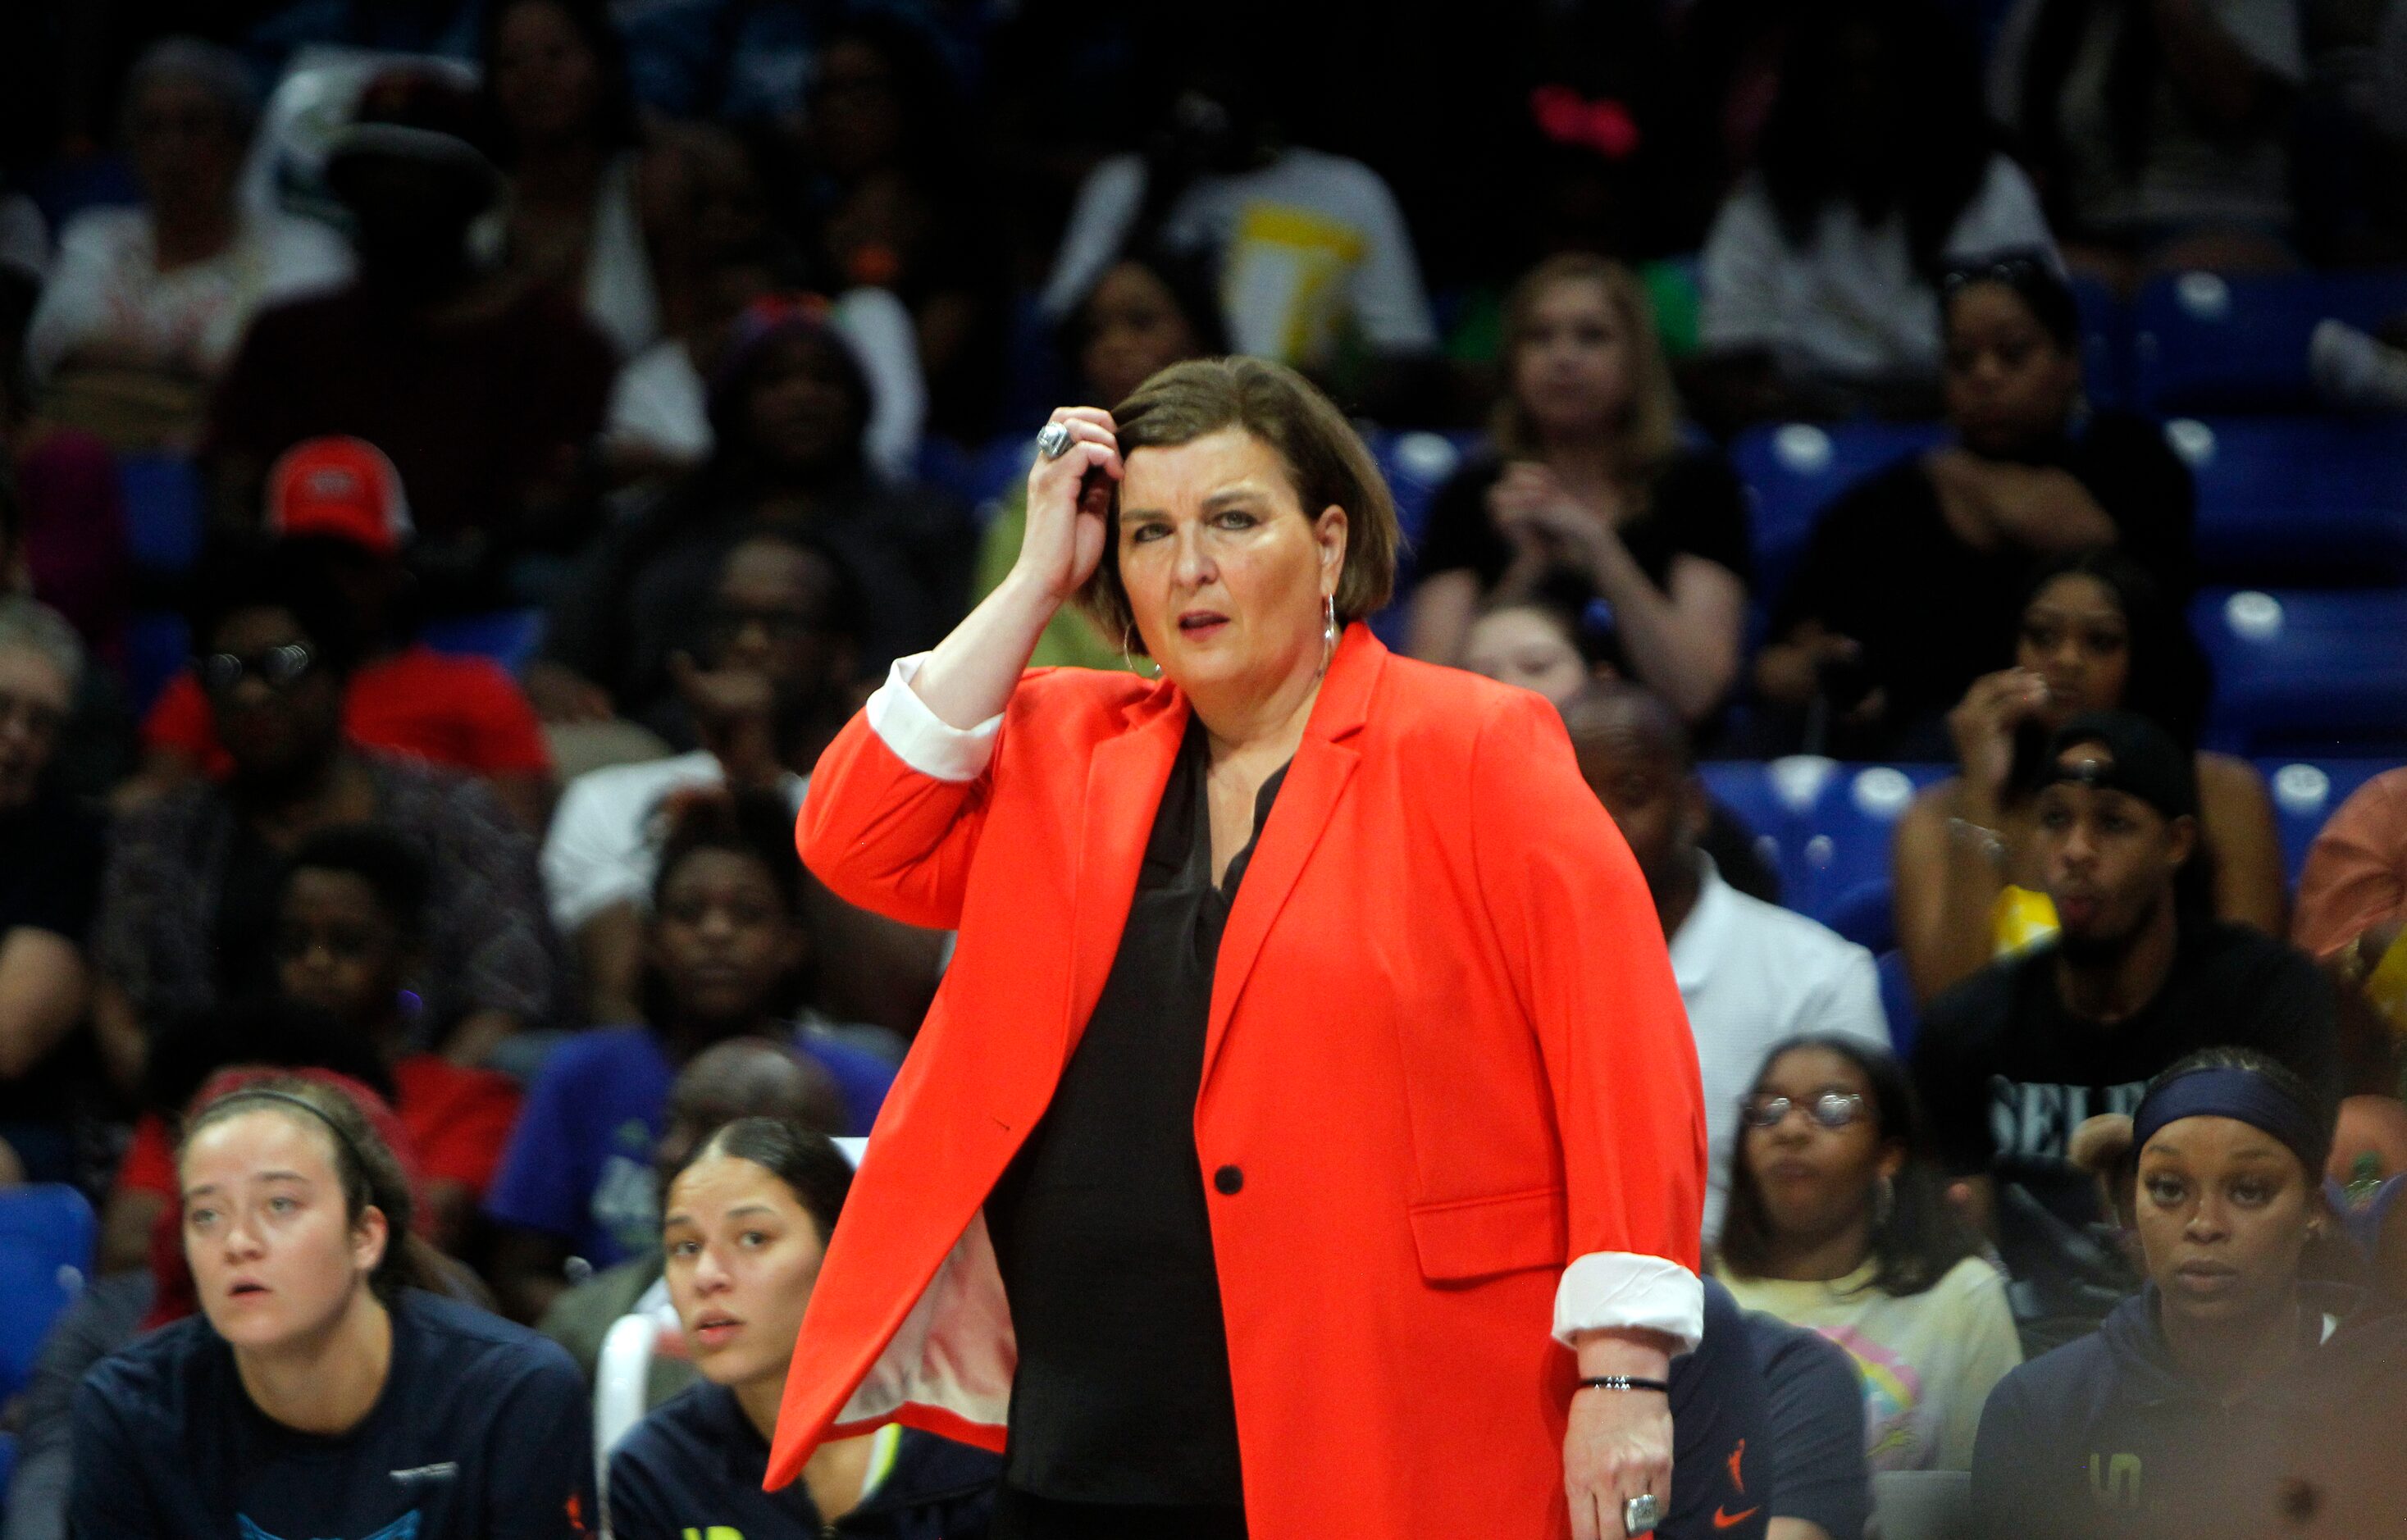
(1308, 1109)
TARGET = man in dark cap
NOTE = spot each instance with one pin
(2013, 1059)
(484, 393)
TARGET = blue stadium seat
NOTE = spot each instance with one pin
(158, 644)
(8, 1462)
(507, 636)
(1415, 464)
(2105, 341)
(2204, 343)
(976, 474)
(1847, 833)
(47, 1235)
(2306, 672)
(1824, 828)
(1897, 1003)
(2306, 793)
(2307, 500)
(1793, 470)
(165, 510)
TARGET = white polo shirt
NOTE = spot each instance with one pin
(1752, 973)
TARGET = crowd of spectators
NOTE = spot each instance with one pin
(497, 984)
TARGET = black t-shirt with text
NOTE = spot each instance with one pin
(2006, 1072)
(481, 1433)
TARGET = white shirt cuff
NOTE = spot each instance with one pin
(1624, 1290)
(920, 737)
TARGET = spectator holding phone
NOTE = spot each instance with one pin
(1912, 586)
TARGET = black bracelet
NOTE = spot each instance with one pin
(1624, 1382)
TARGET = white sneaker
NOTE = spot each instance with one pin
(2355, 369)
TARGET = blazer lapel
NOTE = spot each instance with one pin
(1124, 780)
(1324, 764)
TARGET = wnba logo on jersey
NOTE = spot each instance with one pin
(2115, 1482)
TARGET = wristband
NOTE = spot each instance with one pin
(1624, 1382)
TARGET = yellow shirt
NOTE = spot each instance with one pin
(1928, 1359)
(2021, 920)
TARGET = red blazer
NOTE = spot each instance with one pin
(1445, 1050)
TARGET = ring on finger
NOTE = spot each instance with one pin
(1053, 440)
(1640, 1513)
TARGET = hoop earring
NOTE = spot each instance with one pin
(1884, 1202)
(1328, 631)
(1128, 638)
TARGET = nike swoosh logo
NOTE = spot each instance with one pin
(1723, 1521)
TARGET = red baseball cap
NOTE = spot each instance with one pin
(346, 488)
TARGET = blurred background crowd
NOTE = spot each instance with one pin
(461, 460)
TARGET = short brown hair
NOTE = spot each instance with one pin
(1325, 459)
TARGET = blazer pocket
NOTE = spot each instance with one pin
(1481, 1237)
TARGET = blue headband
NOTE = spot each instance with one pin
(2238, 1093)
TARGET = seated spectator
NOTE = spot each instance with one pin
(879, 200)
(2160, 134)
(727, 954)
(1720, 1414)
(2016, 1058)
(1836, 1223)
(320, 1363)
(1592, 496)
(747, 1220)
(1311, 250)
(187, 912)
(343, 499)
(1750, 973)
(1821, 1484)
(485, 399)
(1910, 589)
(2353, 888)
(1145, 313)
(63, 531)
(49, 868)
(770, 684)
(742, 1078)
(591, 209)
(788, 406)
(1540, 646)
(146, 304)
(659, 403)
(351, 920)
(2095, 634)
(2232, 1396)
(1875, 173)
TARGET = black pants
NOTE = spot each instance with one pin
(1019, 1516)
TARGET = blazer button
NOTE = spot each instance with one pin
(1229, 1179)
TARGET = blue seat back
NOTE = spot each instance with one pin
(2205, 343)
(1826, 827)
(1793, 470)
(2297, 499)
(165, 510)
(509, 636)
(2306, 672)
(2306, 793)
(47, 1236)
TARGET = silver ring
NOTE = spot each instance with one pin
(1640, 1513)
(1053, 441)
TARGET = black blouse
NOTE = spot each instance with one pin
(1696, 505)
(1099, 1230)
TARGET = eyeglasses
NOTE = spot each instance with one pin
(279, 668)
(1832, 1109)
